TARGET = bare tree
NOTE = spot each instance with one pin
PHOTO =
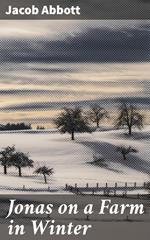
(45, 171)
(126, 150)
(129, 117)
(5, 158)
(21, 160)
(96, 114)
(71, 121)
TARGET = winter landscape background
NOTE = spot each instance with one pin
(70, 159)
(48, 65)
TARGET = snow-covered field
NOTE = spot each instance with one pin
(70, 159)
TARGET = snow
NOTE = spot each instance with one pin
(69, 159)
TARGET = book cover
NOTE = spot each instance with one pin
(75, 119)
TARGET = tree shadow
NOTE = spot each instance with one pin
(134, 136)
(108, 151)
(105, 166)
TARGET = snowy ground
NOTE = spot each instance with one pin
(69, 159)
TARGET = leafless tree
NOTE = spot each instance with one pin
(71, 121)
(96, 114)
(129, 116)
(45, 171)
(126, 150)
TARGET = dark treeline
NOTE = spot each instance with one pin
(15, 126)
(40, 127)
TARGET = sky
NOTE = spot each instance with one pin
(46, 65)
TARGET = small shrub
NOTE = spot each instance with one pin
(126, 150)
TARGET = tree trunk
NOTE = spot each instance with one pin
(5, 169)
(45, 179)
(130, 131)
(19, 171)
(72, 136)
(124, 156)
(97, 123)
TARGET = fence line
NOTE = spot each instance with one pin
(106, 189)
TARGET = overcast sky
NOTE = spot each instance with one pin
(44, 64)
(55, 28)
